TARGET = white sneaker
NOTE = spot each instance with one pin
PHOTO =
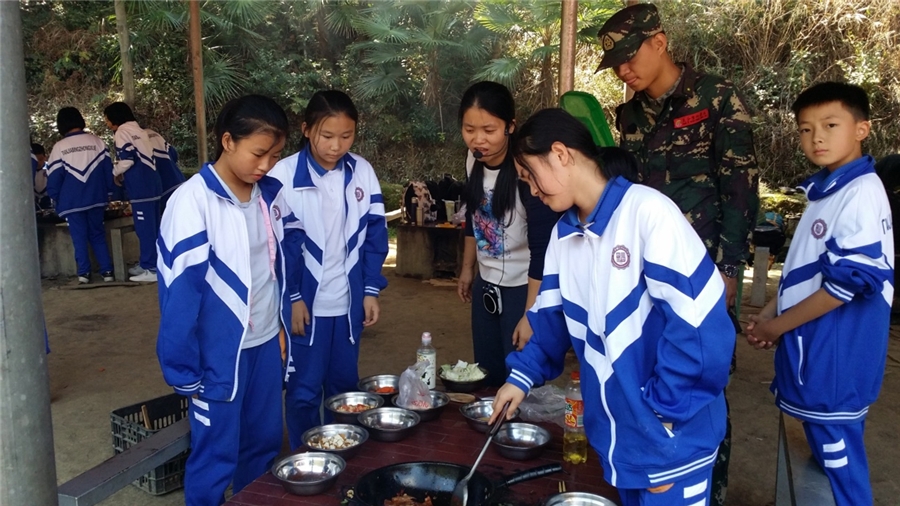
(145, 277)
(137, 269)
(108, 277)
(83, 280)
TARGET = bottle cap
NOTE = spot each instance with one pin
(576, 376)
(426, 337)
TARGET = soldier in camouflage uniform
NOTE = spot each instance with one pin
(692, 134)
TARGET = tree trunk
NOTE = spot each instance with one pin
(125, 52)
(547, 97)
(197, 65)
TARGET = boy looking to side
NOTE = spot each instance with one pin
(832, 312)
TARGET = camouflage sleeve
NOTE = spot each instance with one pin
(738, 178)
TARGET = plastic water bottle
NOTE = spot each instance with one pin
(427, 352)
(575, 441)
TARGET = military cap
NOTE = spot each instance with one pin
(622, 34)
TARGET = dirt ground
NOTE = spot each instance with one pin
(103, 358)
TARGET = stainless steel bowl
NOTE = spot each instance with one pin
(353, 435)
(372, 383)
(578, 499)
(463, 386)
(351, 398)
(389, 424)
(439, 401)
(521, 441)
(478, 413)
(308, 473)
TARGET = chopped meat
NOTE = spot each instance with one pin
(406, 500)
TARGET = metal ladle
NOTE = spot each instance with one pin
(461, 491)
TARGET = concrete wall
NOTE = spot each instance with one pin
(58, 255)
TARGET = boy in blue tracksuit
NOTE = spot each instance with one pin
(832, 313)
(79, 175)
(165, 157)
(628, 284)
(136, 167)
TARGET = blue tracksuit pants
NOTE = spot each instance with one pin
(86, 227)
(841, 452)
(146, 218)
(330, 364)
(237, 441)
(693, 490)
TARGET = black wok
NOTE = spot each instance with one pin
(435, 479)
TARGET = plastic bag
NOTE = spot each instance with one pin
(544, 404)
(413, 391)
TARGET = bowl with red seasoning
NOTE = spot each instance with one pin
(426, 410)
(346, 407)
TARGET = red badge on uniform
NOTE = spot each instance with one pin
(691, 119)
(359, 194)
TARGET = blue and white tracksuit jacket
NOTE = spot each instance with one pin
(166, 160)
(636, 295)
(79, 173)
(204, 282)
(829, 370)
(135, 154)
(365, 233)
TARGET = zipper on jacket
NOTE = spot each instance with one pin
(800, 362)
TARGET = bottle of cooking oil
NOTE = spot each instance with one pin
(575, 441)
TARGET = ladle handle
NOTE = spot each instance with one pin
(499, 421)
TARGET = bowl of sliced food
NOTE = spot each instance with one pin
(478, 413)
(462, 376)
(308, 473)
(385, 385)
(426, 410)
(340, 438)
(389, 424)
(346, 406)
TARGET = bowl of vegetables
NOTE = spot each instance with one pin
(342, 439)
(346, 406)
(462, 376)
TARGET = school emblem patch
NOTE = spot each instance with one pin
(608, 42)
(359, 194)
(819, 228)
(276, 212)
(621, 257)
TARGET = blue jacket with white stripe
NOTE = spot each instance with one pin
(204, 282)
(79, 173)
(829, 370)
(166, 160)
(635, 294)
(365, 232)
(135, 154)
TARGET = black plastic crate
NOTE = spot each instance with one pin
(128, 428)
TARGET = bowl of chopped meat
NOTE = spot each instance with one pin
(308, 473)
(427, 410)
(342, 439)
(385, 385)
(346, 406)
(389, 424)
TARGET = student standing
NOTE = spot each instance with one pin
(79, 176)
(507, 230)
(225, 253)
(136, 167)
(165, 158)
(627, 284)
(337, 197)
(832, 314)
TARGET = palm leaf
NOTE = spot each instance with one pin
(502, 70)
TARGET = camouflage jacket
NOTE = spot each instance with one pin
(699, 152)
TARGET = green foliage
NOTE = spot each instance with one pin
(393, 195)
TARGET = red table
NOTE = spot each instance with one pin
(447, 439)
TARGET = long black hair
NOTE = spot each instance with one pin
(543, 128)
(325, 104)
(497, 100)
(119, 113)
(248, 115)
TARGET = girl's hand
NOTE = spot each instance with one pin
(660, 489)
(522, 334)
(371, 309)
(760, 333)
(299, 318)
(507, 393)
(464, 285)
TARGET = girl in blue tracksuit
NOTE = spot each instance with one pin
(225, 274)
(79, 175)
(628, 284)
(165, 157)
(136, 167)
(337, 198)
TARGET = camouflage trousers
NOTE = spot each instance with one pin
(720, 468)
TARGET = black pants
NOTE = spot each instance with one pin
(491, 333)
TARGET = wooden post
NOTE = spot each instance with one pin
(125, 52)
(197, 64)
(569, 28)
(760, 276)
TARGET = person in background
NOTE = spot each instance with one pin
(337, 197)
(136, 168)
(831, 317)
(165, 157)
(507, 230)
(226, 250)
(79, 174)
(630, 287)
(692, 134)
(39, 177)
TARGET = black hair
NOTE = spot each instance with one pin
(325, 104)
(251, 114)
(38, 149)
(852, 97)
(543, 128)
(67, 119)
(497, 100)
(119, 113)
